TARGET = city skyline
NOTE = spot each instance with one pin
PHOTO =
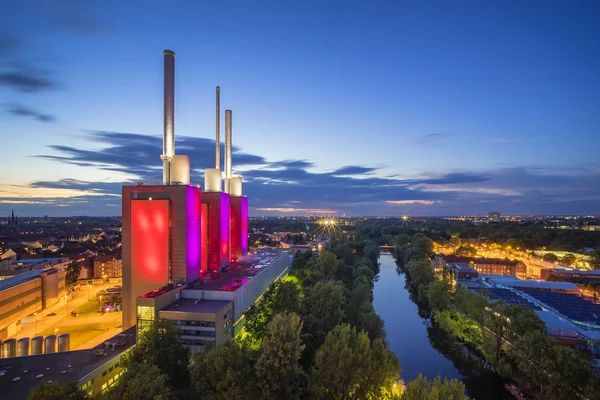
(402, 109)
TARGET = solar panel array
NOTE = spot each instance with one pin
(18, 279)
(509, 297)
(570, 305)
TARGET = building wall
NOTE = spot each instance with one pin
(108, 269)
(183, 238)
(218, 230)
(239, 226)
(18, 302)
(218, 327)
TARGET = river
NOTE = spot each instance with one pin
(421, 347)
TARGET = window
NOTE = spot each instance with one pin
(227, 314)
(104, 373)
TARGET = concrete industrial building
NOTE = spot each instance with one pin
(485, 266)
(27, 293)
(213, 310)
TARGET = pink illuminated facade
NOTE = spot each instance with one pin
(217, 237)
(239, 226)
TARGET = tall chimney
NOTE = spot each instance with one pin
(169, 115)
(228, 144)
(218, 137)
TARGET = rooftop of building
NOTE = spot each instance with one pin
(461, 267)
(197, 306)
(479, 260)
(532, 284)
(237, 274)
(63, 367)
(19, 279)
(576, 271)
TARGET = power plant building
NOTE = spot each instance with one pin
(176, 233)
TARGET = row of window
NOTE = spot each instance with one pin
(199, 333)
(209, 324)
(190, 342)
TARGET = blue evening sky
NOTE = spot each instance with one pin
(393, 107)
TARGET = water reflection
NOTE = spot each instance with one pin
(421, 346)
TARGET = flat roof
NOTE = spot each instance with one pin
(534, 284)
(197, 306)
(576, 271)
(81, 362)
(240, 272)
(462, 267)
(19, 279)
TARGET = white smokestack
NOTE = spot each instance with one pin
(227, 149)
(169, 115)
(218, 137)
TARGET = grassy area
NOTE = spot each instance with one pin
(81, 334)
(90, 307)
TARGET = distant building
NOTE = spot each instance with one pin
(494, 216)
(108, 267)
(485, 266)
(462, 271)
(572, 275)
(13, 219)
(26, 293)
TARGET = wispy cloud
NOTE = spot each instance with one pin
(508, 139)
(24, 111)
(291, 210)
(411, 202)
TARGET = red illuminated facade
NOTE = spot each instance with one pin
(162, 240)
(217, 224)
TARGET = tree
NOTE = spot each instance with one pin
(54, 391)
(466, 250)
(348, 365)
(72, 272)
(279, 298)
(550, 257)
(159, 344)
(226, 371)
(420, 272)
(424, 244)
(326, 264)
(278, 368)
(424, 389)
(371, 252)
(595, 259)
(324, 303)
(141, 381)
(402, 239)
(438, 294)
(568, 259)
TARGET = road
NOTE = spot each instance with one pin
(64, 319)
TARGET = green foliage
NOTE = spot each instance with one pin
(72, 272)
(424, 389)
(402, 239)
(550, 257)
(54, 391)
(278, 369)
(279, 298)
(424, 244)
(324, 303)
(159, 345)
(438, 295)
(420, 272)
(326, 265)
(226, 371)
(141, 381)
(466, 250)
(568, 259)
(349, 365)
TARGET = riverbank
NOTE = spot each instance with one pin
(423, 347)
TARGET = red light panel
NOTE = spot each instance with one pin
(150, 241)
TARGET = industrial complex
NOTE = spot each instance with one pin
(184, 258)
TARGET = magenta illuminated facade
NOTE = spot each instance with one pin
(239, 226)
(217, 237)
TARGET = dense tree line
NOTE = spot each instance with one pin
(509, 338)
